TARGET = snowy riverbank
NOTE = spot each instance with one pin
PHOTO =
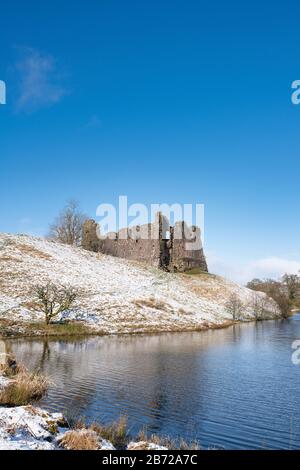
(115, 295)
(31, 428)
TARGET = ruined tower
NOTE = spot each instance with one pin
(174, 249)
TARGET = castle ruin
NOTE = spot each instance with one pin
(175, 248)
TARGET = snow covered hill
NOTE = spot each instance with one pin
(116, 295)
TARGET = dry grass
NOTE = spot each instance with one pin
(80, 439)
(83, 437)
(11, 368)
(141, 445)
(27, 329)
(167, 442)
(116, 433)
(31, 305)
(220, 326)
(68, 328)
(14, 329)
(10, 259)
(151, 303)
(24, 388)
(30, 250)
(182, 311)
(184, 445)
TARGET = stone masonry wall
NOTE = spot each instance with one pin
(155, 244)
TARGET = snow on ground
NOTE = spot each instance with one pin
(82, 434)
(116, 295)
(28, 428)
(4, 381)
(143, 445)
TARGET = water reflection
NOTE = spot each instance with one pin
(232, 388)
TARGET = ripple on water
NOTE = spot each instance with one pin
(233, 388)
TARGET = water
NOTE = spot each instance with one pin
(235, 388)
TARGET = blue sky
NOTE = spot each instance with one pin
(163, 101)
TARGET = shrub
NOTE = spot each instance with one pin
(116, 433)
(24, 388)
(274, 289)
(53, 299)
(80, 439)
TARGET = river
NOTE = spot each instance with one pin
(235, 388)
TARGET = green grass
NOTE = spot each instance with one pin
(60, 329)
(24, 329)
(196, 271)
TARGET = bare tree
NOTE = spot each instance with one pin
(67, 228)
(292, 284)
(234, 306)
(274, 289)
(52, 299)
(260, 306)
(256, 284)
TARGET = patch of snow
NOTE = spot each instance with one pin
(102, 444)
(143, 445)
(27, 428)
(106, 445)
(4, 381)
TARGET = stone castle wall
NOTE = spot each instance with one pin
(155, 244)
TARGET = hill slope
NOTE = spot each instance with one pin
(116, 295)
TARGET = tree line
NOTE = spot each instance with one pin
(285, 292)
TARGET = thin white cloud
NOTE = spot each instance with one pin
(40, 82)
(274, 267)
(271, 267)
